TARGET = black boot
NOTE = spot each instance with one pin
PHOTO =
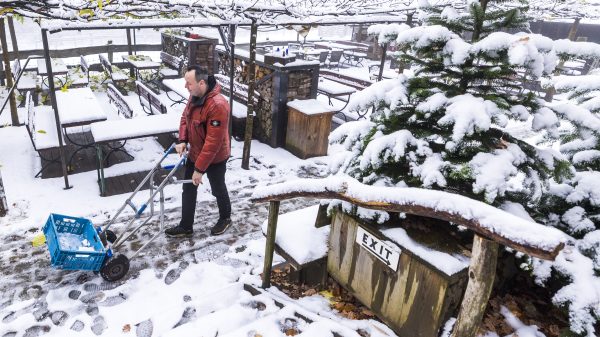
(220, 227)
(178, 231)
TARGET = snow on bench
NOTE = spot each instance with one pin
(298, 237)
(41, 125)
(490, 222)
(116, 74)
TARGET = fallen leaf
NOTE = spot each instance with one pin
(310, 292)
(291, 332)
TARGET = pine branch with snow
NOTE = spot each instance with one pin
(440, 125)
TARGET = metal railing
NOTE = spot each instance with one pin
(17, 78)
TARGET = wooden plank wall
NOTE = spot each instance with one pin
(414, 301)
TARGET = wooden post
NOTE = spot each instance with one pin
(572, 32)
(3, 203)
(129, 49)
(482, 272)
(270, 245)
(8, 73)
(250, 106)
(232, 29)
(61, 146)
(109, 50)
(13, 37)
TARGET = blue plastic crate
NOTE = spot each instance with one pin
(73, 259)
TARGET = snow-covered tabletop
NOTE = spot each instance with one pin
(177, 85)
(332, 88)
(58, 67)
(141, 61)
(78, 107)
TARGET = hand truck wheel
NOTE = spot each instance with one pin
(107, 235)
(115, 268)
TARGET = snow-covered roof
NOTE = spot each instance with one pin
(58, 25)
(520, 234)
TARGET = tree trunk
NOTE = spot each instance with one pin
(250, 106)
(8, 73)
(3, 203)
(482, 272)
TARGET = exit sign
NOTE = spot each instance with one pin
(388, 254)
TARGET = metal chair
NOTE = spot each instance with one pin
(334, 58)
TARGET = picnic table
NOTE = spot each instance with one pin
(302, 53)
(142, 62)
(337, 90)
(58, 68)
(78, 107)
(176, 85)
(353, 58)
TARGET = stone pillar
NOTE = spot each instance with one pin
(193, 49)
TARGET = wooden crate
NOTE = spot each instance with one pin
(308, 127)
(415, 301)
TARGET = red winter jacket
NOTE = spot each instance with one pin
(205, 126)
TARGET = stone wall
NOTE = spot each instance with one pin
(276, 85)
(199, 51)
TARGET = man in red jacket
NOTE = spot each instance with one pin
(205, 127)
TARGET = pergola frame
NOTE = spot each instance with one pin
(230, 26)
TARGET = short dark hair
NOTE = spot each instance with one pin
(201, 73)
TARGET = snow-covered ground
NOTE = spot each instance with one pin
(176, 287)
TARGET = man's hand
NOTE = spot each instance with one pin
(180, 148)
(197, 178)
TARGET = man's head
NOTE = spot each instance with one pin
(196, 80)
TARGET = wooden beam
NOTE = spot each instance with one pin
(250, 105)
(270, 244)
(8, 73)
(3, 203)
(482, 272)
(474, 225)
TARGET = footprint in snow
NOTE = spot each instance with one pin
(99, 325)
(144, 329)
(77, 325)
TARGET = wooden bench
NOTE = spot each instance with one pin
(77, 77)
(171, 66)
(116, 98)
(151, 104)
(41, 127)
(27, 82)
(115, 73)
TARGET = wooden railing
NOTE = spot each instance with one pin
(486, 241)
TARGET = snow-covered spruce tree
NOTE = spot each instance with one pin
(574, 206)
(440, 127)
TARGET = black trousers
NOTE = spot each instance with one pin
(216, 178)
